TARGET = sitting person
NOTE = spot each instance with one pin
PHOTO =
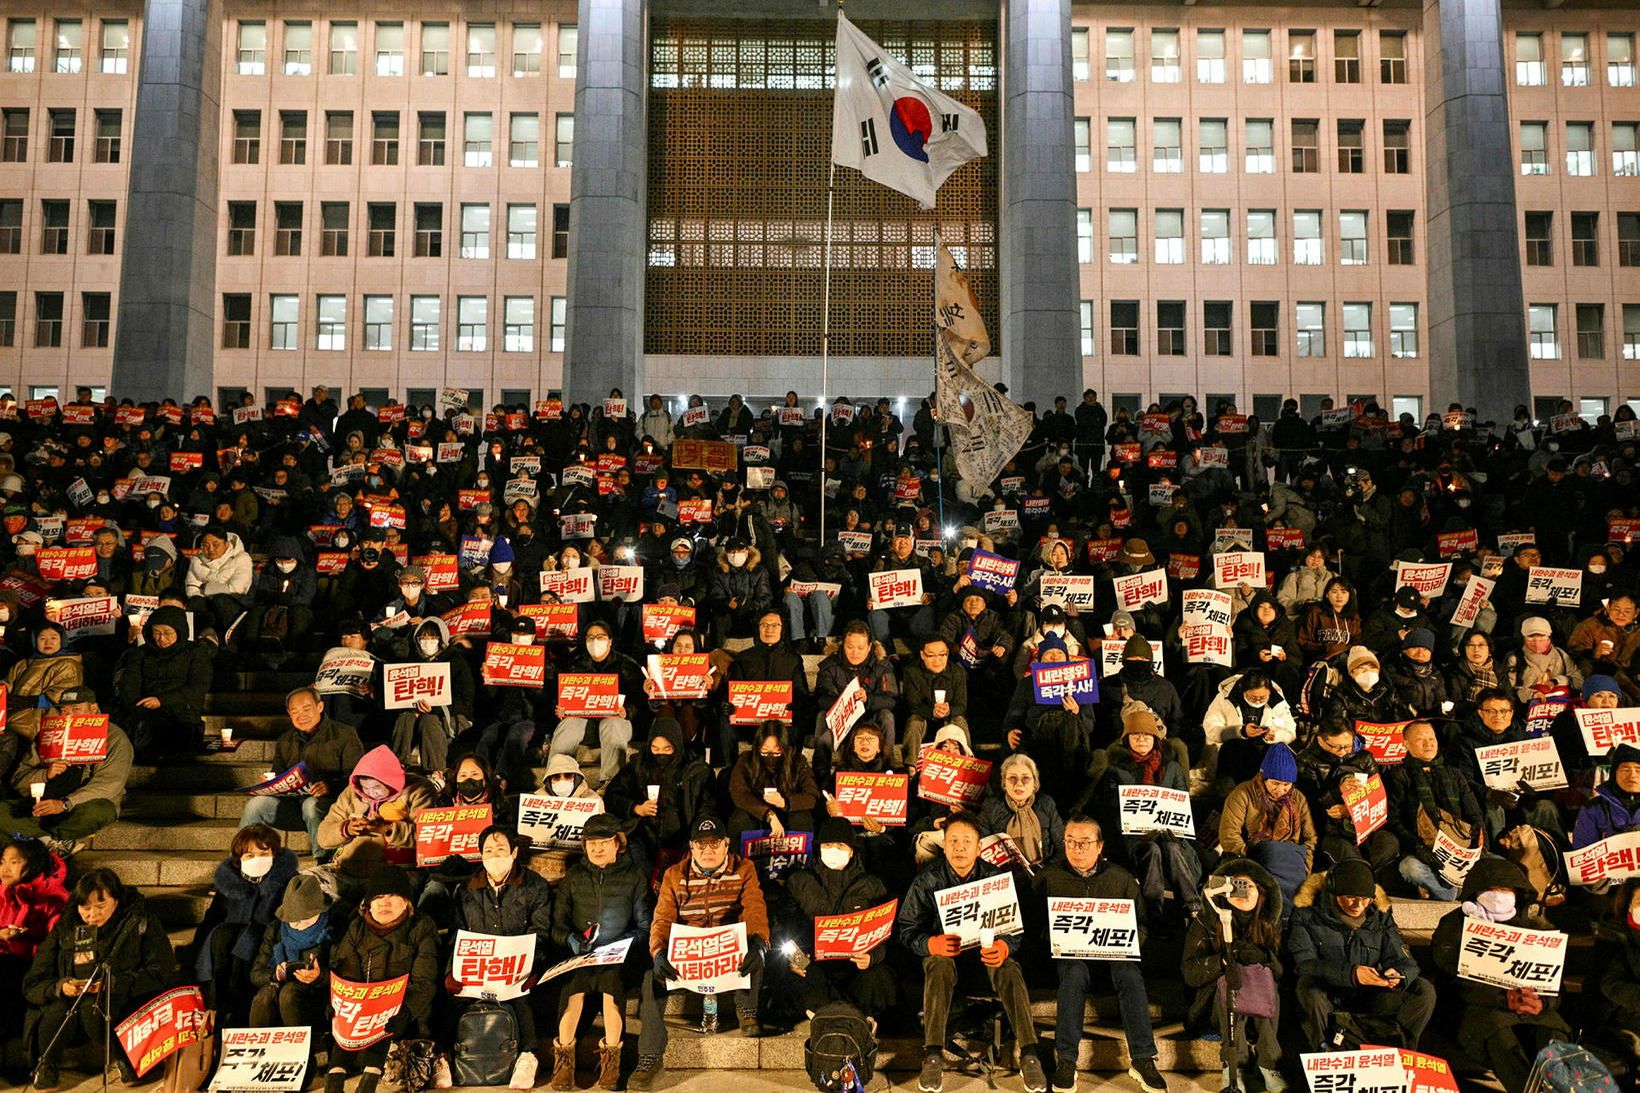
(1268, 820)
(291, 974)
(659, 796)
(53, 669)
(1619, 985)
(79, 799)
(837, 882)
(936, 692)
(1325, 762)
(160, 687)
(328, 748)
(1615, 806)
(1247, 715)
(370, 826)
(1023, 812)
(1145, 757)
(772, 786)
(614, 732)
(1355, 973)
(247, 888)
(33, 893)
(862, 659)
(946, 965)
(1427, 797)
(1057, 735)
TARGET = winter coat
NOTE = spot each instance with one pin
(331, 751)
(1319, 775)
(995, 813)
(35, 905)
(409, 948)
(875, 673)
(361, 855)
(1378, 706)
(1227, 714)
(1405, 786)
(1471, 733)
(615, 898)
(818, 891)
(919, 915)
(685, 794)
(749, 778)
(919, 685)
(692, 898)
(776, 663)
(179, 677)
(1244, 811)
(1557, 669)
(1421, 691)
(141, 960)
(262, 971)
(82, 783)
(1154, 691)
(1608, 812)
(1327, 950)
(1107, 880)
(1201, 962)
(521, 905)
(229, 575)
(36, 676)
(990, 629)
(1619, 964)
(294, 589)
(748, 585)
(243, 907)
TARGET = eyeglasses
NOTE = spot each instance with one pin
(1081, 844)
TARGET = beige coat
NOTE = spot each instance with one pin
(36, 676)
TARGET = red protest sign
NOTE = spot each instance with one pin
(287, 407)
(1284, 538)
(441, 569)
(843, 937)
(508, 665)
(183, 462)
(589, 694)
(553, 620)
(1368, 805)
(1452, 543)
(695, 511)
(73, 738)
(469, 618)
(863, 795)
(360, 1012)
(754, 701)
(1101, 551)
(466, 500)
(330, 562)
(662, 620)
(130, 415)
(80, 529)
(680, 675)
(1622, 529)
(449, 833)
(66, 563)
(1383, 741)
(163, 1026)
(390, 414)
(953, 779)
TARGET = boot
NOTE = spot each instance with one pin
(368, 1080)
(563, 1065)
(336, 1080)
(609, 1065)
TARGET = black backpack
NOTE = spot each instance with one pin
(841, 1052)
(486, 1045)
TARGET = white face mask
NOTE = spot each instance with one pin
(1500, 905)
(1259, 705)
(738, 558)
(563, 787)
(255, 868)
(1597, 569)
(598, 648)
(1367, 679)
(286, 565)
(502, 568)
(411, 591)
(428, 646)
(499, 867)
(523, 639)
(836, 857)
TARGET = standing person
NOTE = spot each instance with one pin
(328, 748)
(1083, 872)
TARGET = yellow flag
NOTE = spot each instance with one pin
(956, 311)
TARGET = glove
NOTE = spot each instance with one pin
(995, 955)
(1245, 952)
(664, 968)
(752, 962)
(944, 945)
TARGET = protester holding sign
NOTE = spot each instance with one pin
(52, 669)
(1144, 756)
(160, 687)
(1058, 734)
(837, 882)
(1615, 805)
(1503, 1026)
(1334, 754)
(866, 662)
(772, 787)
(425, 728)
(328, 749)
(105, 922)
(1427, 797)
(77, 798)
(1539, 664)
(659, 796)
(1023, 812)
(611, 733)
(387, 940)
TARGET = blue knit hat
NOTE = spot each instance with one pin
(1595, 684)
(1279, 764)
(1052, 641)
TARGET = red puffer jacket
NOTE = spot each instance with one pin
(35, 905)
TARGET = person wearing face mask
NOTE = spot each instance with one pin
(424, 728)
(1051, 621)
(660, 794)
(1539, 664)
(246, 890)
(772, 787)
(837, 882)
(739, 590)
(370, 827)
(38, 682)
(1254, 902)
(282, 601)
(610, 735)
(26, 545)
(1363, 694)
(468, 783)
(1501, 1027)
(505, 899)
(511, 718)
(1138, 679)
(1248, 714)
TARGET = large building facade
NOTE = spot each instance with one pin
(1414, 201)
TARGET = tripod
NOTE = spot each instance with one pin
(99, 982)
(1232, 981)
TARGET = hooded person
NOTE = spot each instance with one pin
(160, 687)
(370, 827)
(659, 795)
(33, 893)
(1501, 1027)
(36, 683)
(425, 729)
(563, 780)
(772, 787)
(282, 598)
(160, 572)
(246, 890)
(927, 818)
(838, 882)
(739, 590)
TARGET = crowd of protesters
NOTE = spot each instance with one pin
(306, 534)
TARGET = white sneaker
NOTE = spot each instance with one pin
(523, 1075)
(441, 1073)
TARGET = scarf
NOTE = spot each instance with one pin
(288, 949)
(1482, 677)
(1025, 828)
(1150, 767)
(1278, 821)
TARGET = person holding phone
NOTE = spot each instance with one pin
(289, 975)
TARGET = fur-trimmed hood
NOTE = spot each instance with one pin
(1312, 889)
(753, 558)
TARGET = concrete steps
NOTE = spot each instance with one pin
(180, 835)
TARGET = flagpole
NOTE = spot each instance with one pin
(939, 426)
(825, 348)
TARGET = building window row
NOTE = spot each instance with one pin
(1538, 233)
(1543, 331)
(55, 229)
(511, 233)
(1577, 60)
(1212, 153)
(1218, 337)
(1582, 157)
(66, 55)
(1167, 62)
(479, 146)
(61, 133)
(427, 323)
(51, 318)
(1261, 244)
(481, 50)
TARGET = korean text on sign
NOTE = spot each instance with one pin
(840, 937)
(555, 821)
(863, 794)
(361, 1012)
(990, 903)
(492, 966)
(953, 779)
(1093, 929)
(449, 833)
(707, 958)
(1511, 956)
(405, 685)
(1146, 809)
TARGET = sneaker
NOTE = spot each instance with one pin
(442, 1078)
(1030, 1072)
(64, 848)
(932, 1078)
(1064, 1077)
(523, 1075)
(650, 1068)
(1145, 1073)
(1273, 1081)
(46, 1076)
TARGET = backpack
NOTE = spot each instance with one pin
(486, 1045)
(1567, 1068)
(841, 1051)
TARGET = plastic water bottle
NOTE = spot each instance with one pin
(709, 1013)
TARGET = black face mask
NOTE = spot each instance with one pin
(470, 788)
(1138, 669)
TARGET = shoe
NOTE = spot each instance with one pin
(368, 1081)
(442, 1079)
(563, 1066)
(523, 1075)
(932, 1078)
(650, 1068)
(46, 1076)
(609, 1066)
(63, 848)
(126, 1073)
(1227, 1079)
(749, 1027)
(336, 1081)
(1064, 1077)
(1273, 1081)
(1145, 1073)
(1030, 1072)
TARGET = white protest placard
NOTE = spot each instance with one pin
(1138, 589)
(345, 671)
(1429, 580)
(1534, 763)
(1453, 859)
(602, 957)
(1239, 568)
(623, 583)
(404, 685)
(555, 821)
(1511, 956)
(998, 521)
(1207, 643)
(1205, 607)
(850, 704)
(569, 585)
(1477, 592)
(1614, 858)
(1230, 540)
(1093, 929)
(1546, 584)
(1511, 541)
(759, 478)
(990, 903)
(263, 1060)
(1067, 590)
(1370, 1070)
(707, 958)
(1603, 730)
(895, 588)
(92, 616)
(492, 966)
(1145, 809)
(577, 525)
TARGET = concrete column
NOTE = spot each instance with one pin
(607, 215)
(164, 335)
(1040, 350)
(1476, 320)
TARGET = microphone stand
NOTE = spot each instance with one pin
(102, 978)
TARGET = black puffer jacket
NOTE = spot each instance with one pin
(1319, 775)
(686, 785)
(818, 891)
(1108, 880)
(616, 898)
(1328, 951)
(1416, 784)
(1380, 705)
(1420, 688)
(776, 662)
(408, 948)
(1257, 933)
(179, 676)
(522, 905)
(140, 959)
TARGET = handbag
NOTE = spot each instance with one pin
(1257, 996)
(188, 1068)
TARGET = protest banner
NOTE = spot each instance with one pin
(1453, 859)
(509, 665)
(91, 616)
(292, 783)
(1067, 590)
(1147, 809)
(1477, 593)
(1092, 929)
(1161, 493)
(475, 551)
(1101, 551)
(1542, 710)
(854, 542)
(1614, 858)
(892, 588)
(711, 456)
(553, 621)
(1000, 521)
(990, 903)
(590, 694)
(1428, 1073)
(1450, 544)
(407, 685)
(569, 585)
(1622, 529)
(1001, 851)
(604, 956)
(493, 967)
(953, 779)
(790, 417)
(360, 1012)
(662, 620)
(1205, 606)
(1429, 581)
(1532, 763)
(262, 1060)
(845, 711)
(1138, 589)
(1546, 584)
(344, 671)
(695, 510)
(752, 702)
(863, 794)
(620, 583)
(1511, 956)
(163, 1026)
(845, 936)
(1367, 803)
(449, 833)
(992, 572)
(577, 525)
(1386, 741)
(1213, 457)
(1603, 730)
(1050, 683)
(773, 856)
(1037, 508)
(1284, 538)
(680, 675)
(1243, 567)
(1511, 541)
(550, 821)
(1162, 459)
(707, 958)
(66, 563)
(1369, 1070)
(79, 739)
(443, 570)
(469, 618)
